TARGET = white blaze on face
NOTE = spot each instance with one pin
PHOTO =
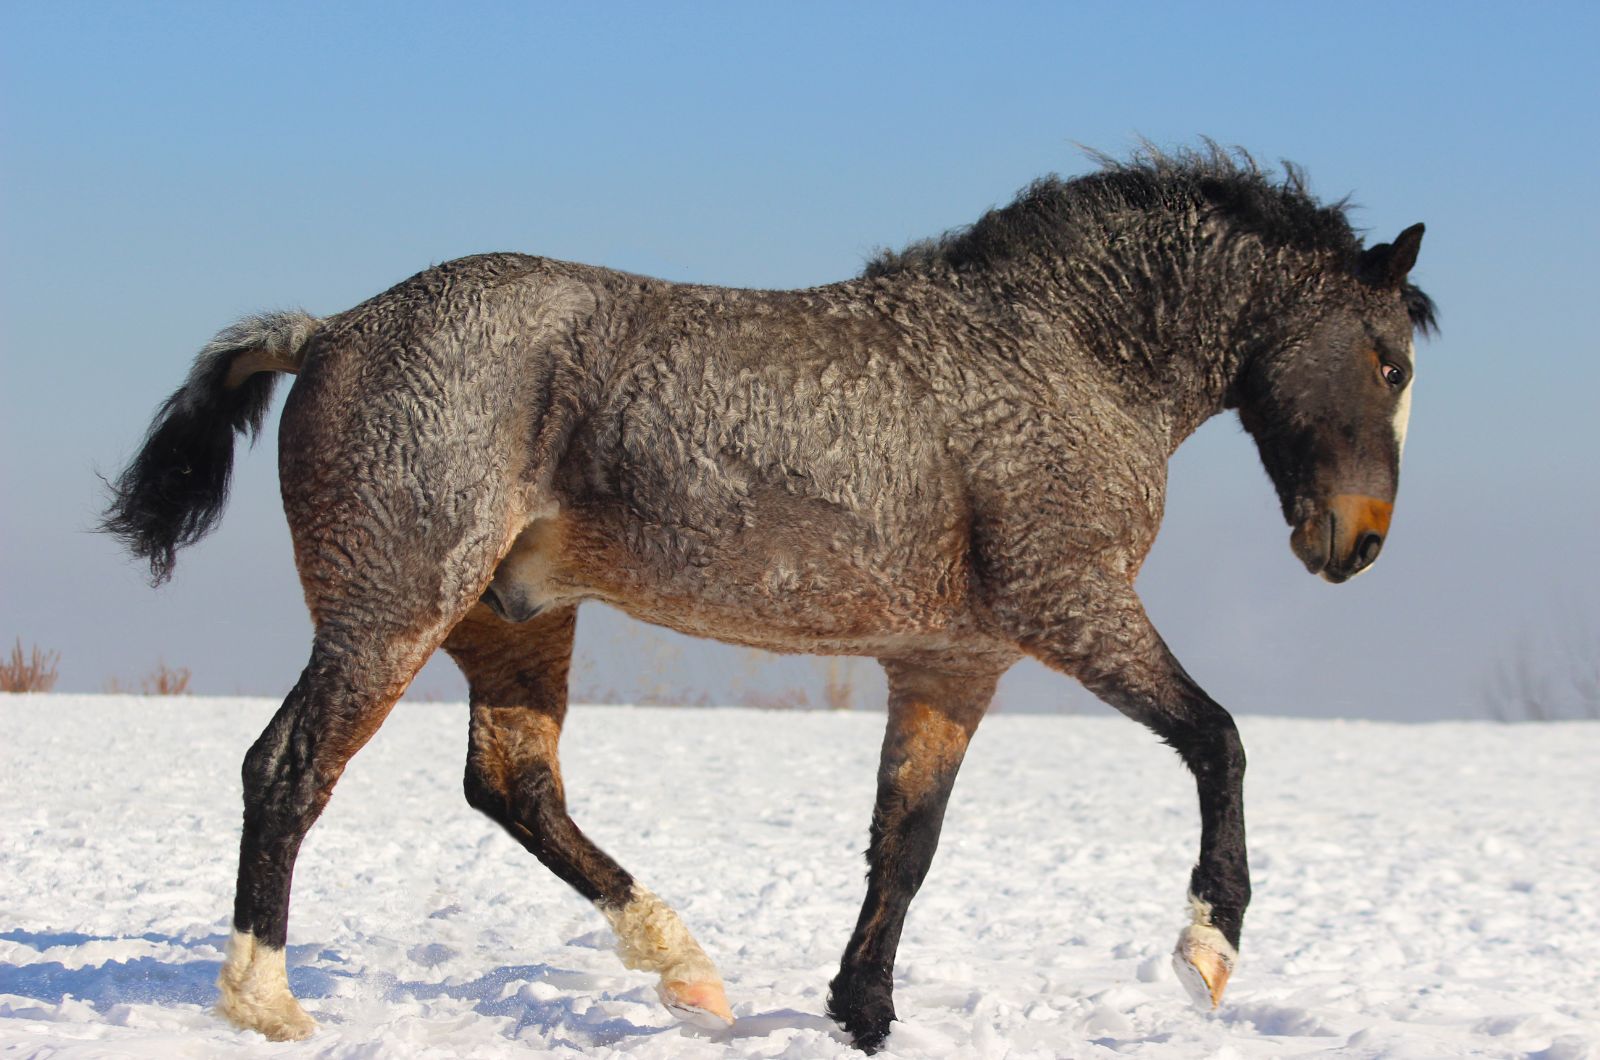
(1402, 408)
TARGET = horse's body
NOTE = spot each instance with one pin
(951, 461)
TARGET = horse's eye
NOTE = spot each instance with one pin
(1393, 374)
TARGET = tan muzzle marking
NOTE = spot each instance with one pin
(1356, 515)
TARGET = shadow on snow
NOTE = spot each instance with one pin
(575, 1020)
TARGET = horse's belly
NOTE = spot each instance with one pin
(787, 580)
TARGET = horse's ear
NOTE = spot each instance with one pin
(1388, 264)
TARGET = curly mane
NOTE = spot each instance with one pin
(1071, 215)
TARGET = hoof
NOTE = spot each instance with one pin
(703, 1003)
(865, 1013)
(650, 937)
(867, 1030)
(255, 992)
(1203, 960)
(286, 1022)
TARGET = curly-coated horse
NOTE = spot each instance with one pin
(953, 460)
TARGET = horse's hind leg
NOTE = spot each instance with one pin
(932, 715)
(340, 700)
(517, 674)
(377, 621)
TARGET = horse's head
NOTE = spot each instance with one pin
(1328, 411)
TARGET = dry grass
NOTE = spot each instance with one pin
(783, 699)
(839, 686)
(166, 681)
(35, 672)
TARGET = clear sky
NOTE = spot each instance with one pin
(165, 168)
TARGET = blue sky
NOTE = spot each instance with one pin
(165, 168)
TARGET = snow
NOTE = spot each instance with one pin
(1421, 890)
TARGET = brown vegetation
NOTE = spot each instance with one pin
(839, 686)
(35, 672)
(164, 680)
(783, 699)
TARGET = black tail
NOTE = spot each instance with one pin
(172, 493)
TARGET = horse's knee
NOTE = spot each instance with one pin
(512, 757)
(492, 788)
(484, 796)
(1208, 742)
(525, 796)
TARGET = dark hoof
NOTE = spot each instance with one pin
(864, 1011)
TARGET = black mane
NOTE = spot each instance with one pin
(1063, 214)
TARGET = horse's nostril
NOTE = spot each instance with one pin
(1369, 547)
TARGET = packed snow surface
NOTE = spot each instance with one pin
(1420, 890)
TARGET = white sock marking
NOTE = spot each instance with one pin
(651, 938)
(1200, 929)
(1201, 947)
(255, 991)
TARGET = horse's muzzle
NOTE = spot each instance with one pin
(1344, 539)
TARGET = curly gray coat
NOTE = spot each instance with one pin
(950, 461)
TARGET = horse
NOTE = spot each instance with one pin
(950, 461)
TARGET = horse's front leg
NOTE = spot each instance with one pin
(1107, 642)
(932, 715)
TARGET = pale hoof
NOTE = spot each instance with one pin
(1203, 960)
(255, 992)
(703, 1003)
(283, 1020)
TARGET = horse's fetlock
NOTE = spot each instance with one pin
(1221, 906)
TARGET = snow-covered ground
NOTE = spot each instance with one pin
(1421, 891)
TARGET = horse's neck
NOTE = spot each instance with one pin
(1160, 335)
